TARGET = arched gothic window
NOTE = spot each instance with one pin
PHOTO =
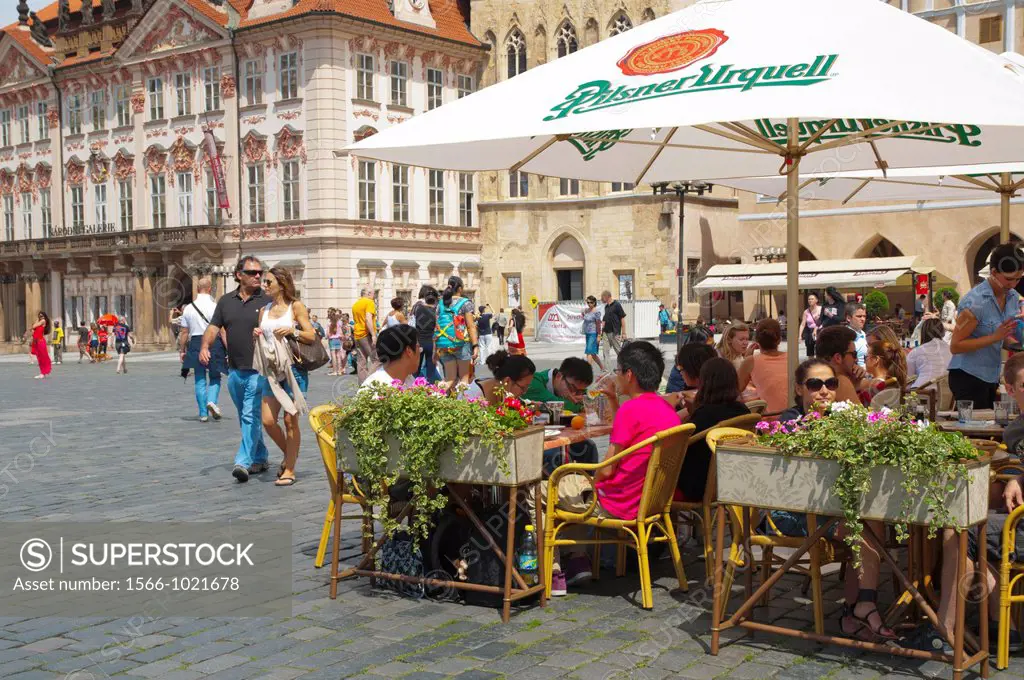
(620, 24)
(566, 39)
(515, 49)
(648, 15)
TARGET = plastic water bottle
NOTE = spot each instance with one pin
(526, 558)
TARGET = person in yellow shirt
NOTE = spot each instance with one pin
(58, 343)
(364, 315)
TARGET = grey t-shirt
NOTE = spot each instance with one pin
(1013, 436)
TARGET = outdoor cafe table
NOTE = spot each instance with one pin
(735, 489)
(982, 427)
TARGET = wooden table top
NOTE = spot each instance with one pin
(978, 429)
(569, 436)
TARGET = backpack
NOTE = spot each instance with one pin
(451, 332)
(399, 555)
(484, 566)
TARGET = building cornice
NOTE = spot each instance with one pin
(592, 201)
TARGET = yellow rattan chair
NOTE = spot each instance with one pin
(701, 511)
(321, 419)
(1010, 572)
(829, 552)
(668, 450)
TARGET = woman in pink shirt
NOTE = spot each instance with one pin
(767, 370)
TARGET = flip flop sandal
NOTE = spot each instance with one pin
(280, 470)
(883, 632)
(285, 481)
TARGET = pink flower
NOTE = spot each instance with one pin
(763, 426)
(420, 382)
(397, 383)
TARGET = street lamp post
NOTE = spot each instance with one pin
(681, 189)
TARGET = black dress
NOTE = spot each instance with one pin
(694, 475)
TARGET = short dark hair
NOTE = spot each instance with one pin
(833, 340)
(719, 383)
(646, 363)
(1012, 368)
(692, 356)
(392, 342)
(699, 335)
(1006, 258)
(240, 265)
(768, 334)
(503, 365)
(577, 369)
(803, 369)
(397, 303)
(853, 307)
(932, 329)
(947, 294)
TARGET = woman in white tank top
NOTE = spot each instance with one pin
(395, 316)
(280, 318)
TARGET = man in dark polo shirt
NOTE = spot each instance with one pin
(238, 313)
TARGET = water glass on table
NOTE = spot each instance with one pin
(965, 410)
(1001, 411)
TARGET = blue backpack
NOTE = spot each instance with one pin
(451, 331)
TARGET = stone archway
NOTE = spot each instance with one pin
(979, 250)
(878, 246)
(568, 262)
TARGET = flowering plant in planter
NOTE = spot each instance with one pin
(859, 439)
(427, 422)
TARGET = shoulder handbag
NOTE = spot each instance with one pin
(308, 357)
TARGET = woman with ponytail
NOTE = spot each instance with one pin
(887, 369)
(512, 374)
(455, 339)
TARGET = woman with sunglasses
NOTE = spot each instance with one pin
(816, 385)
(988, 316)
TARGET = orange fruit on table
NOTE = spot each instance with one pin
(578, 422)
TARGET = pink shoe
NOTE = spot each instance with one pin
(558, 584)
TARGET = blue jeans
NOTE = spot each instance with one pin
(428, 369)
(207, 391)
(580, 452)
(245, 387)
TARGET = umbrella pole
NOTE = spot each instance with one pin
(793, 250)
(1004, 207)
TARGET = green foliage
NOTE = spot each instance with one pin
(931, 460)
(877, 303)
(427, 423)
(937, 300)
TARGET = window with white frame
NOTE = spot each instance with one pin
(183, 90)
(435, 88)
(156, 98)
(400, 193)
(26, 213)
(367, 181)
(98, 106)
(212, 206)
(566, 39)
(364, 76)
(100, 196)
(435, 190)
(9, 217)
(290, 189)
(126, 206)
(620, 24)
(622, 186)
(45, 214)
(257, 189)
(74, 114)
(77, 206)
(158, 198)
(288, 74)
(465, 86)
(399, 83)
(568, 187)
(75, 311)
(24, 133)
(5, 127)
(518, 185)
(123, 104)
(515, 53)
(254, 82)
(466, 199)
(184, 182)
(211, 87)
(44, 127)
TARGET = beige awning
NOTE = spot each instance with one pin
(866, 272)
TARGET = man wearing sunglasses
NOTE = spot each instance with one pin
(836, 345)
(238, 313)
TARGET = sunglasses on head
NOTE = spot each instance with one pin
(253, 272)
(815, 384)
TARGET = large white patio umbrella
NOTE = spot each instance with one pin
(735, 88)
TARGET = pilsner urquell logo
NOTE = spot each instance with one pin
(672, 52)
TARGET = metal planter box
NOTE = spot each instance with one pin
(524, 451)
(758, 476)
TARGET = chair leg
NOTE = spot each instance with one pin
(1003, 642)
(707, 522)
(549, 557)
(325, 536)
(646, 596)
(766, 571)
(677, 558)
(595, 557)
(620, 560)
(730, 575)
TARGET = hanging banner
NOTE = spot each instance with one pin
(217, 168)
(560, 323)
(922, 284)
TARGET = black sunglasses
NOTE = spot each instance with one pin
(815, 384)
(253, 272)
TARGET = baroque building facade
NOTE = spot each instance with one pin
(108, 192)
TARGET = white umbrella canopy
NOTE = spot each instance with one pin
(736, 88)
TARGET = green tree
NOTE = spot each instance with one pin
(877, 304)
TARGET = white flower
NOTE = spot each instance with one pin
(840, 406)
(885, 410)
(922, 424)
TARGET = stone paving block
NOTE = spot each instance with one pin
(219, 663)
(156, 669)
(477, 675)
(455, 665)
(492, 650)
(281, 673)
(541, 673)
(811, 670)
(751, 670)
(511, 665)
(422, 675)
(310, 633)
(601, 645)
(567, 660)
(199, 654)
(701, 671)
(186, 674)
(33, 675)
(48, 644)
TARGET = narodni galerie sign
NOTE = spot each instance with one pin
(678, 51)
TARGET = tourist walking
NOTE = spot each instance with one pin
(395, 316)
(809, 323)
(281, 318)
(335, 342)
(238, 313)
(592, 331)
(316, 326)
(58, 343)
(833, 308)
(611, 324)
(987, 316)
(517, 345)
(123, 341)
(83, 343)
(948, 315)
(194, 320)
(364, 334)
(501, 321)
(424, 314)
(455, 341)
(485, 334)
(40, 329)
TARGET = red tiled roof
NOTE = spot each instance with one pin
(34, 49)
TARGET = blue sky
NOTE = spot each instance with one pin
(9, 10)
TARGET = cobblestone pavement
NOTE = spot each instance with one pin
(130, 447)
